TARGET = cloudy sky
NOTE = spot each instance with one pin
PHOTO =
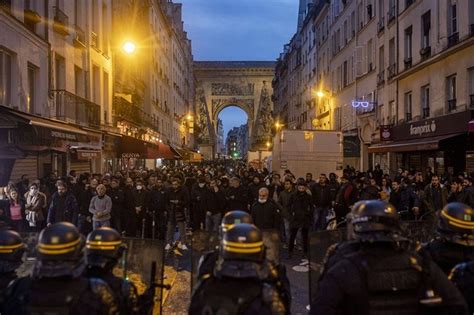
(238, 30)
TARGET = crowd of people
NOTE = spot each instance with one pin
(153, 203)
(172, 202)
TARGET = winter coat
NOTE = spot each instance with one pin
(428, 198)
(215, 201)
(321, 195)
(284, 201)
(63, 208)
(237, 199)
(300, 210)
(266, 215)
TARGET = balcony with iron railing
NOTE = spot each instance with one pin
(408, 3)
(471, 100)
(407, 62)
(381, 78)
(408, 117)
(425, 52)
(451, 104)
(391, 71)
(124, 110)
(75, 109)
(61, 22)
(453, 39)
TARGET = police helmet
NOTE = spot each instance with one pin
(235, 217)
(374, 220)
(11, 250)
(103, 245)
(456, 223)
(60, 241)
(243, 242)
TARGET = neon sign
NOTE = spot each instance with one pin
(364, 104)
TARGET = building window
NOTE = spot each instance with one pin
(408, 107)
(344, 74)
(425, 101)
(370, 55)
(5, 78)
(392, 113)
(32, 88)
(425, 29)
(353, 21)
(451, 92)
(408, 46)
(452, 16)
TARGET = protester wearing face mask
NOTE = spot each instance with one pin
(266, 213)
(63, 206)
(300, 211)
(35, 203)
(100, 207)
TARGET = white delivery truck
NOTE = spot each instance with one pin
(303, 151)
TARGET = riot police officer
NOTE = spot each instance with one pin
(104, 248)
(11, 253)
(208, 260)
(455, 243)
(242, 280)
(56, 285)
(463, 277)
(382, 277)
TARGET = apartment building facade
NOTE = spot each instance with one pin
(385, 71)
(71, 99)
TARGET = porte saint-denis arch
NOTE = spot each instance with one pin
(245, 84)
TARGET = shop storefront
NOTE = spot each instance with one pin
(38, 146)
(442, 143)
(135, 153)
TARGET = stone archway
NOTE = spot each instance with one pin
(246, 85)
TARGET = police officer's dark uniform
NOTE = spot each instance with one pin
(241, 282)
(463, 277)
(11, 253)
(104, 248)
(455, 243)
(382, 277)
(56, 285)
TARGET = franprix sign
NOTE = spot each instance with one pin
(437, 126)
(426, 128)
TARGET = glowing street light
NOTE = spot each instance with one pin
(278, 125)
(320, 94)
(129, 47)
(268, 144)
(189, 117)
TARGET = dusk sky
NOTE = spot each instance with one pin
(239, 30)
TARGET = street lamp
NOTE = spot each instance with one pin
(129, 47)
(320, 94)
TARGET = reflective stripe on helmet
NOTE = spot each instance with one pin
(457, 222)
(59, 246)
(243, 245)
(242, 250)
(106, 243)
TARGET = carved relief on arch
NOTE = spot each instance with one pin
(245, 104)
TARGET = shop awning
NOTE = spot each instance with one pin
(423, 144)
(189, 156)
(85, 155)
(51, 124)
(168, 152)
(132, 148)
